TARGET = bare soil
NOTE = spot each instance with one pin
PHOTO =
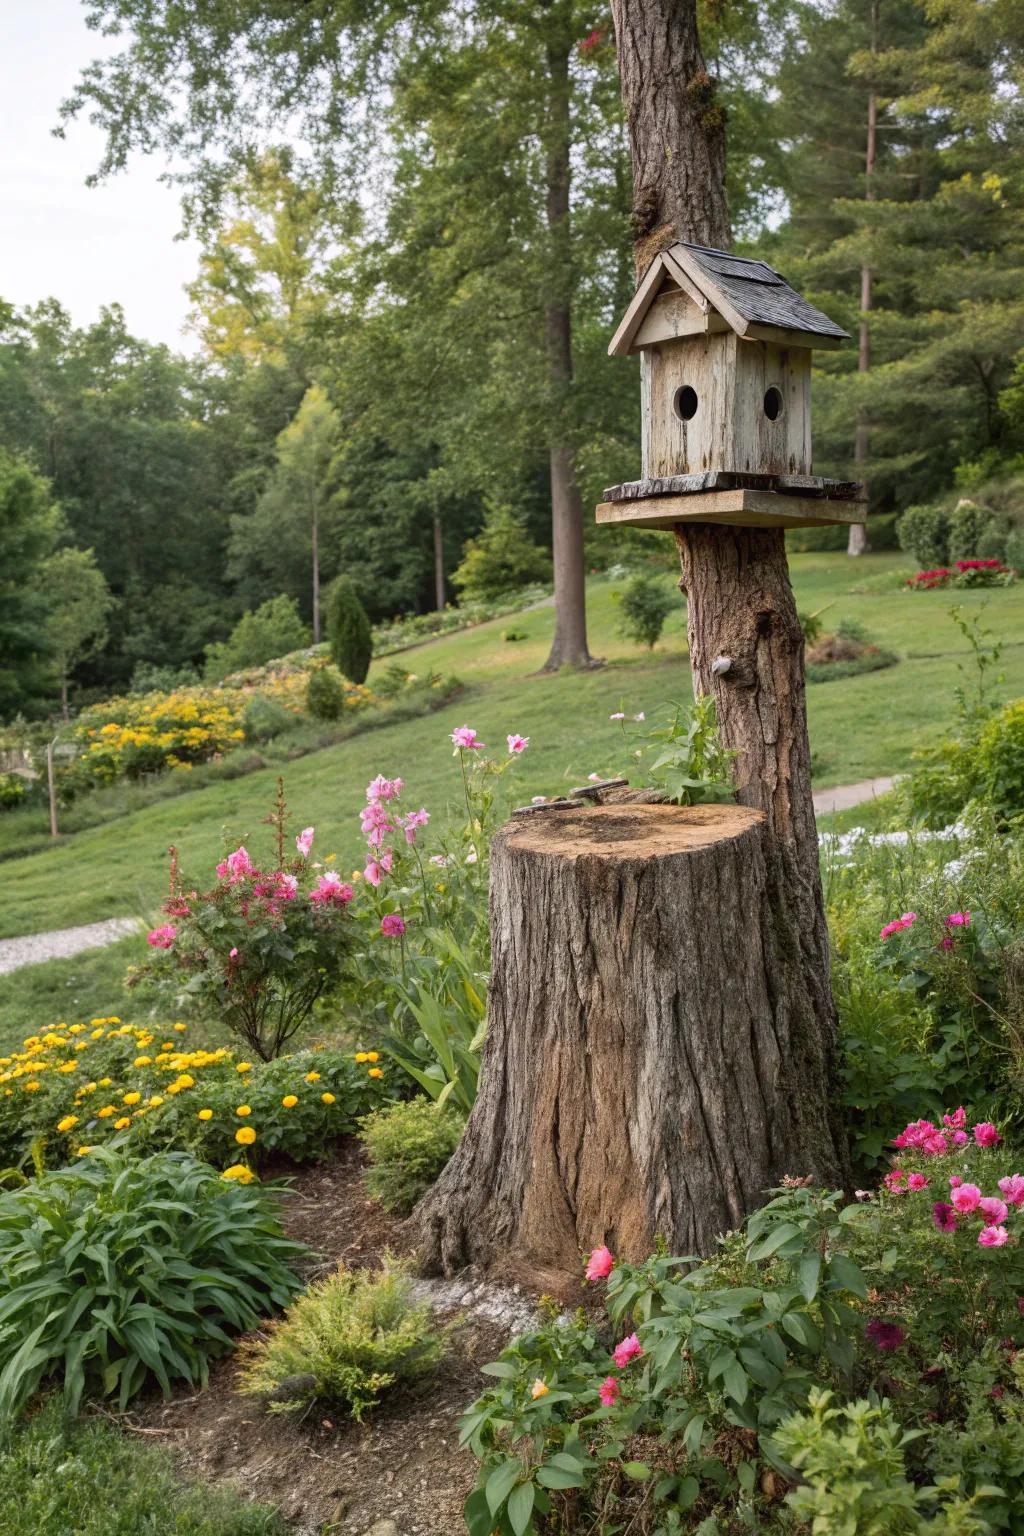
(324, 1472)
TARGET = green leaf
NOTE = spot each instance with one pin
(847, 1274)
(639, 1471)
(775, 1240)
(557, 1477)
(501, 1482)
(809, 1275)
(520, 1508)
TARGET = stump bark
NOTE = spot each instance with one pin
(653, 1060)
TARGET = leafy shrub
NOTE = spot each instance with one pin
(88, 1478)
(119, 1271)
(968, 525)
(992, 542)
(273, 629)
(346, 1340)
(688, 760)
(265, 718)
(142, 734)
(349, 631)
(986, 762)
(325, 697)
(1014, 555)
(151, 677)
(645, 605)
(12, 790)
(501, 558)
(409, 1143)
(924, 533)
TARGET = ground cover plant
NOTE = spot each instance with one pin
(408, 1144)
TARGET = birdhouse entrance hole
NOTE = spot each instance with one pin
(685, 402)
(773, 403)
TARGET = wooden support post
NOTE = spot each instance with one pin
(51, 788)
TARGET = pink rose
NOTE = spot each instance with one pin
(986, 1135)
(916, 1181)
(993, 1237)
(966, 1198)
(628, 1350)
(1013, 1189)
(993, 1210)
(608, 1392)
(600, 1264)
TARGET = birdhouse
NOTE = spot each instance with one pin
(725, 381)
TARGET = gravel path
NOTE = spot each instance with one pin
(61, 943)
(843, 796)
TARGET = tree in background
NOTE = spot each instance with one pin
(349, 630)
(274, 629)
(501, 558)
(29, 525)
(78, 604)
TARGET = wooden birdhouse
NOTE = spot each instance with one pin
(725, 380)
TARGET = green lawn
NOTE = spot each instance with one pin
(859, 727)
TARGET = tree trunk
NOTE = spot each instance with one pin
(64, 711)
(439, 588)
(569, 646)
(858, 540)
(635, 1082)
(315, 538)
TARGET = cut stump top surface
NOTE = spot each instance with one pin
(631, 831)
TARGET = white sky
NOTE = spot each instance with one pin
(59, 238)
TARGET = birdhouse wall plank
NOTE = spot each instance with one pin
(767, 374)
(688, 394)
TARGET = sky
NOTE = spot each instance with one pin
(86, 246)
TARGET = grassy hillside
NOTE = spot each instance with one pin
(859, 727)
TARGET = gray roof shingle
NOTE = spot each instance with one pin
(759, 293)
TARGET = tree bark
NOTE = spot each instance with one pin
(634, 1083)
(858, 540)
(569, 646)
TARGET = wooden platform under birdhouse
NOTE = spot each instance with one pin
(738, 499)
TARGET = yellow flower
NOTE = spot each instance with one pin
(539, 1389)
(243, 1109)
(83, 1150)
(155, 1101)
(67, 1122)
(362, 1057)
(184, 1081)
(289, 1101)
(30, 1087)
(312, 1077)
(123, 1124)
(105, 1082)
(143, 1061)
(244, 1066)
(106, 1111)
(375, 1072)
(206, 1114)
(328, 1098)
(132, 1098)
(245, 1136)
(239, 1172)
(373, 1056)
(180, 1028)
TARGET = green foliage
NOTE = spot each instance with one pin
(986, 762)
(969, 525)
(348, 630)
(13, 790)
(118, 1272)
(688, 760)
(89, 1478)
(500, 559)
(28, 529)
(408, 1145)
(265, 718)
(273, 630)
(646, 604)
(79, 603)
(924, 533)
(325, 697)
(348, 1340)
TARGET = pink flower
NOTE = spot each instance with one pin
(957, 1120)
(619, 715)
(986, 1135)
(239, 864)
(630, 1347)
(935, 1145)
(595, 778)
(958, 920)
(517, 743)
(600, 1264)
(375, 868)
(993, 1210)
(330, 891)
(440, 860)
(916, 1181)
(608, 1392)
(1013, 1188)
(992, 1237)
(944, 1216)
(376, 823)
(411, 822)
(966, 1198)
(162, 938)
(304, 841)
(955, 1181)
(894, 1182)
(946, 943)
(884, 1336)
(391, 925)
(383, 789)
(465, 739)
(899, 923)
(960, 1138)
(234, 953)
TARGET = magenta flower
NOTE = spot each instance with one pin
(411, 822)
(330, 891)
(600, 1264)
(304, 841)
(383, 789)
(916, 1181)
(391, 925)
(884, 1336)
(628, 1350)
(517, 743)
(966, 1198)
(898, 924)
(993, 1237)
(955, 1181)
(376, 823)
(994, 1210)
(376, 867)
(960, 1138)
(608, 1392)
(162, 938)
(1013, 1189)
(957, 1120)
(464, 738)
(944, 1216)
(958, 920)
(935, 1145)
(233, 955)
(894, 1182)
(986, 1135)
(239, 864)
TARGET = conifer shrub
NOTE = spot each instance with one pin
(645, 605)
(325, 697)
(409, 1143)
(348, 630)
(924, 534)
(501, 558)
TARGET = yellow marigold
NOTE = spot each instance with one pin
(181, 1028)
(373, 1055)
(243, 1109)
(244, 1066)
(184, 1081)
(76, 1029)
(205, 1114)
(362, 1057)
(30, 1087)
(245, 1136)
(375, 1072)
(105, 1082)
(167, 1045)
(67, 1066)
(289, 1101)
(328, 1098)
(98, 1034)
(88, 1088)
(132, 1098)
(143, 1061)
(312, 1077)
(123, 1124)
(83, 1150)
(239, 1172)
(106, 1111)
(154, 1101)
(67, 1122)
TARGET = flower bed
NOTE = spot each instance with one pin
(963, 573)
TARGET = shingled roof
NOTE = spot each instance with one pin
(749, 295)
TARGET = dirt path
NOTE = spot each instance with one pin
(62, 943)
(843, 796)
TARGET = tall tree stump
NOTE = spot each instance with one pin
(653, 1060)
